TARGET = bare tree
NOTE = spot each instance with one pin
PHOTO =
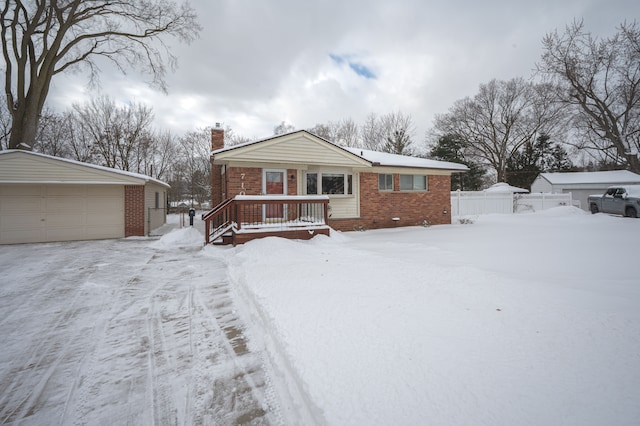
(41, 39)
(231, 137)
(53, 134)
(283, 128)
(80, 142)
(117, 134)
(371, 134)
(5, 126)
(601, 79)
(500, 119)
(344, 132)
(348, 133)
(195, 166)
(398, 131)
(325, 131)
(162, 153)
(391, 132)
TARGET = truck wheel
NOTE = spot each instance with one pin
(594, 209)
(630, 212)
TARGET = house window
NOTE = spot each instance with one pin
(312, 183)
(157, 200)
(330, 183)
(413, 183)
(385, 182)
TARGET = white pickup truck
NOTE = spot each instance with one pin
(623, 200)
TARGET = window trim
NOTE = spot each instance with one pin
(413, 183)
(346, 176)
(386, 189)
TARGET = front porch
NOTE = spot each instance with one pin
(247, 217)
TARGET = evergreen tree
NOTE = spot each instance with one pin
(524, 165)
(451, 148)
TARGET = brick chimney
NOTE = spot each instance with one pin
(217, 137)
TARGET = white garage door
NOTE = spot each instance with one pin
(43, 213)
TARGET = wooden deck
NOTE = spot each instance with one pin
(245, 217)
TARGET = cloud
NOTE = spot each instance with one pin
(259, 63)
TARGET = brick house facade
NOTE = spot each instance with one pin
(363, 205)
(380, 208)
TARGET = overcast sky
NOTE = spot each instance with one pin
(258, 63)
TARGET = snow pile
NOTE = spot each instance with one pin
(498, 322)
(563, 211)
(180, 238)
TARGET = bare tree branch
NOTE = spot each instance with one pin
(44, 38)
(500, 119)
(601, 80)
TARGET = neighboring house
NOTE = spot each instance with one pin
(45, 198)
(365, 189)
(582, 184)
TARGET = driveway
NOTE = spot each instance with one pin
(122, 332)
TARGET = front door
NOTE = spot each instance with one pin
(274, 182)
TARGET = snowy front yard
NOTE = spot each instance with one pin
(530, 319)
(525, 319)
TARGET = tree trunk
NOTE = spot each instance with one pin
(26, 113)
(634, 163)
(24, 128)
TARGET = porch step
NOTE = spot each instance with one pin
(224, 240)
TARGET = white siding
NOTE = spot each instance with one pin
(344, 208)
(582, 195)
(296, 149)
(541, 185)
(28, 168)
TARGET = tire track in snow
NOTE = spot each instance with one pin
(162, 344)
(39, 371)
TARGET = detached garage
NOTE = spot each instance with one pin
(45, 199)
(582, 184)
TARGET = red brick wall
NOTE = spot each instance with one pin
(251, 177)
(378, 208)
(134, 210)
(217, 138)
(247, 180)
(292, 184)
(217, 185)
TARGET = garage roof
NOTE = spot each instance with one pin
(18, 166)
(609, 177)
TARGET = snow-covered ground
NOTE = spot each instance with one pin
(134, 331)
(524, 319)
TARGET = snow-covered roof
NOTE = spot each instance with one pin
(607, 178)
(395, 160)
(505, 187)
(91, 166)
(374, 157)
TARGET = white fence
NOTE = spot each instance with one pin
(464, 203)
